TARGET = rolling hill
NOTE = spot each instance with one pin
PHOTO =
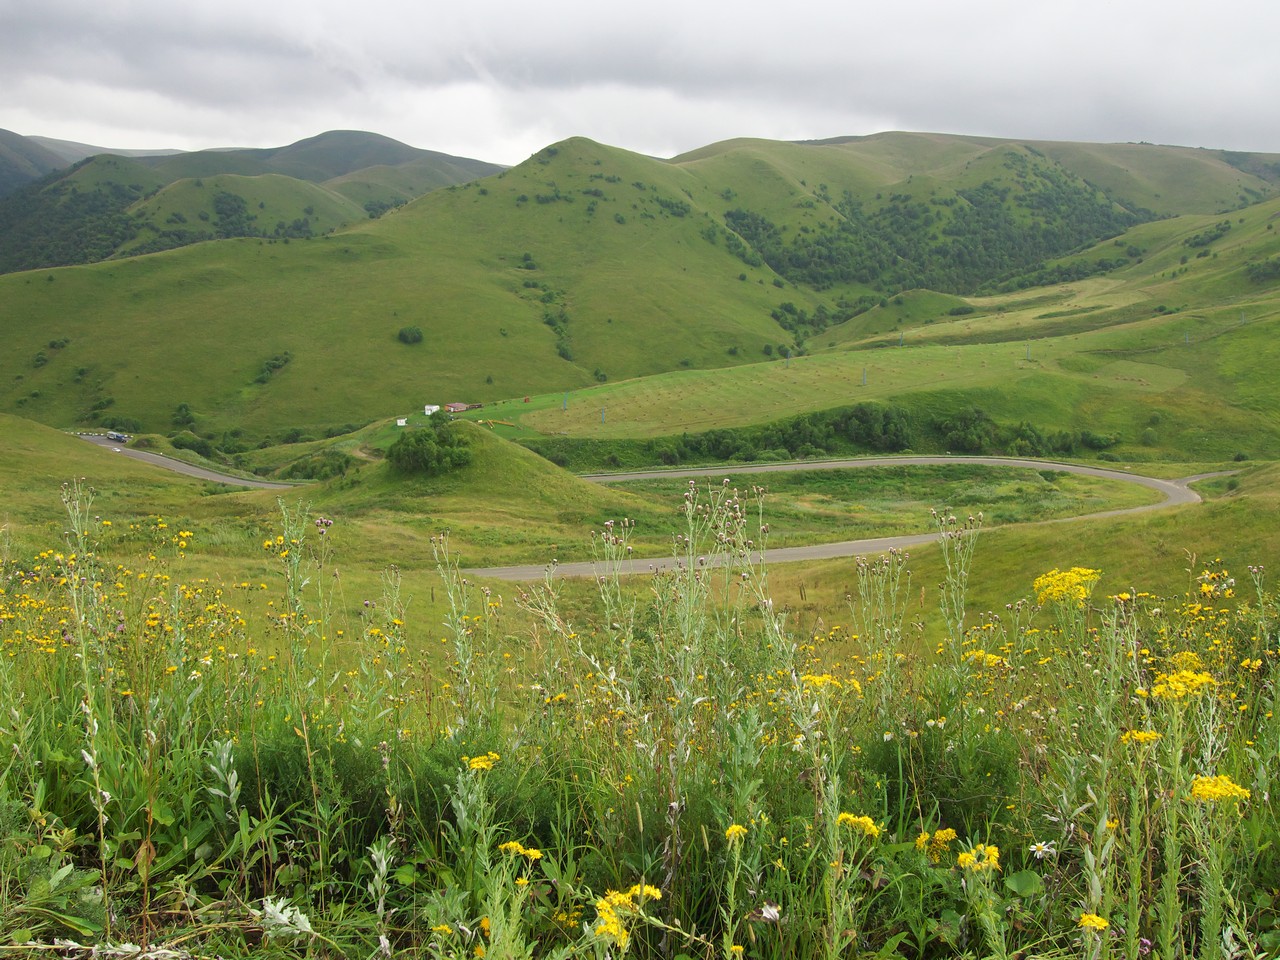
(107, 205)
(22, 160)
(587, 265)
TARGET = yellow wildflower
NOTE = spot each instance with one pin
(1213, 789)
(980, 858)
(865, 824)
(1066, 587)
(735, 832)
(1143, 737)
(1091, 921)
(1180, 684)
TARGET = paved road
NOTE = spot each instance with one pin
(178, 466)
(1176, 492)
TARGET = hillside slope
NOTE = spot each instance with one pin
(97, 209)
(588, 264)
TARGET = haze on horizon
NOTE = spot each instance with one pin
(499, 81)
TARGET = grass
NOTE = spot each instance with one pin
(821, 506)
(238, 724)
(306, 778)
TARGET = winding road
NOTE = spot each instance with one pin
(1176, 493)
(178, 466)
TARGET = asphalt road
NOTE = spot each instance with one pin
(1176, 493)
(178, 466)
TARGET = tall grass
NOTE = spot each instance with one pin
(224, 769)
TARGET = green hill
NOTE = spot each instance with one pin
(588, 265)
(22, 160)
(102, 206)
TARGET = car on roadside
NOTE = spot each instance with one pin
(118, 437)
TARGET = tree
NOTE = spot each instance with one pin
(431, 450)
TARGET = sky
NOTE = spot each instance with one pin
(499, 80)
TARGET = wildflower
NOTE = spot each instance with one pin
(1143, 737)
(735, 832)
(737, 949)
(865, 824)
(1180, 684)
(443, 929)
(981, 858)
(935, 844)
(1043, 849)
(614, 905)
(1066, 587)
(1091, 921)
(481, 763)
(1213, 789)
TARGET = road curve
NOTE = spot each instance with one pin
(1176, 493)
(178, 466)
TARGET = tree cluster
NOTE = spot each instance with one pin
(434, 449)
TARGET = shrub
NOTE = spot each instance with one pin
(186, 440)
(410, 335)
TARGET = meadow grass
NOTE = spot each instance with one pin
(682, 769)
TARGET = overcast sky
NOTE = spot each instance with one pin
(499, 80)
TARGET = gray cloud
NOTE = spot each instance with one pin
(500, 81)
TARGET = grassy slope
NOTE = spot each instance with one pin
(1159, 553)
(336, 304)
(271, 199)
(642, 289)
(1100, 356)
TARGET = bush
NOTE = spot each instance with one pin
(410, 335)
(186, 440)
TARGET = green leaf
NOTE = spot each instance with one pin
(1024, 883)
(42, 851)
(20, 936)
(406, 875)
(162, 813)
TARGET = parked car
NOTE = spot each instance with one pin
(118, 437)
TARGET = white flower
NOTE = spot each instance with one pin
(1043, 849)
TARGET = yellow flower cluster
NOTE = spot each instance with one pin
(1091, 921)
(517, 849)
(865, 824)
(1066, 587)
(935, 845)
(615, 905)
(1143, 737)
(1213, 789)
(982, 858)
(1180, 684)
(817, 681)
(735, 832)
(482, 763)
